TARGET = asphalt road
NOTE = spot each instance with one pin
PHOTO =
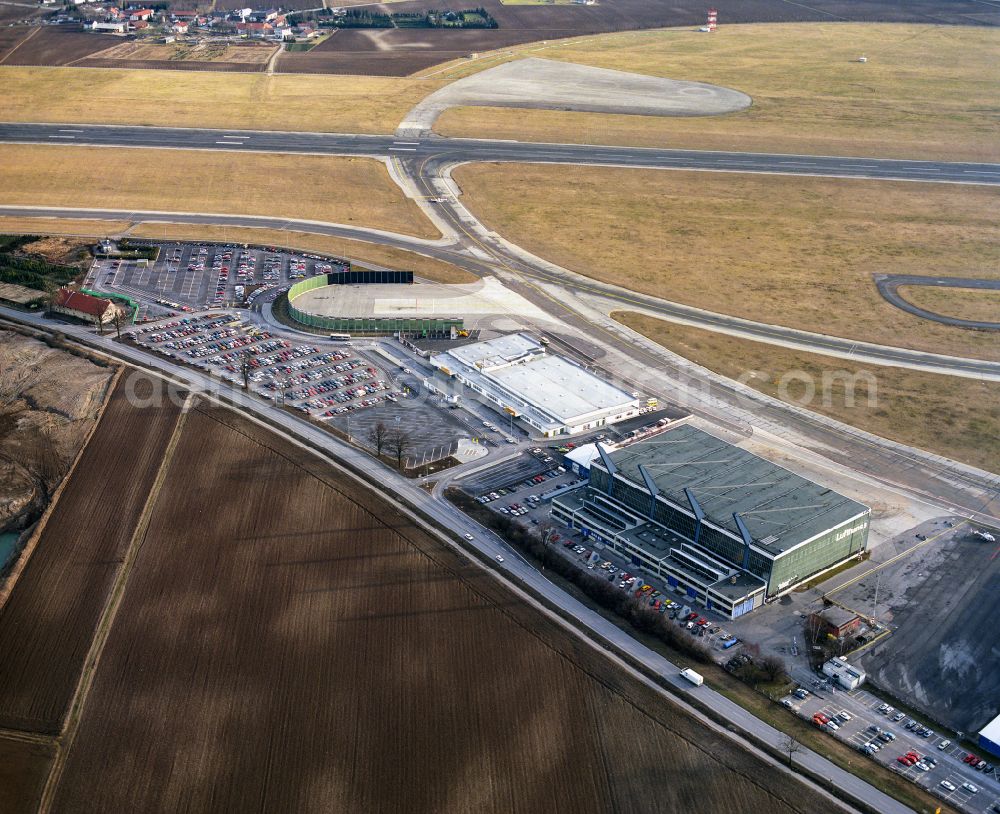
(888, 286)
(461, 150)
(413, 495)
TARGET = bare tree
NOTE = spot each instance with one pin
(118, 319)
(245, 369)
(378, 437)
(774, 668)
(398, 443)
(790, 746)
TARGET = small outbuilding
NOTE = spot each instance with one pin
(835, 622)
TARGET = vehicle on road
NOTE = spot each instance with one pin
(693, 677)
(499, 558)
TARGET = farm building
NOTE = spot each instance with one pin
(85, 307)
(550, 394)
(21, 297)
(719, 524)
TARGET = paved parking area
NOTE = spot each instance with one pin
(190, 276)
(896, 735)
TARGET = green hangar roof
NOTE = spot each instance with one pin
(779, 508)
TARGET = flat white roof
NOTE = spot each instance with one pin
(518, 365)
(992, 730)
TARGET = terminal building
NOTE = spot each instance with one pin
(550, 394)
(720, 525)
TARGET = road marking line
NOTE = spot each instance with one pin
(69, 130)
(406, 142)
(404, 149)
(62, 136)
(231, 143)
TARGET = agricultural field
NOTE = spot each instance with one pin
(59, 596)
(288, 641)
(182, 52)
(925, 92)
(951, 416)
(792, 251)
(183, 57)
(53, 46)
(24, 765)
(211, 181)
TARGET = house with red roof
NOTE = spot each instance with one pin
(85, 307)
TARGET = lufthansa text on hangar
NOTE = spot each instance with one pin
(547, 392)
(721, 525)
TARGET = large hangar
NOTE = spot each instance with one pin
(547, 392)
(723, 526)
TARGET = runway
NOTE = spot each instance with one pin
(456, 151)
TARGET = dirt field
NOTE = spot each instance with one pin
(961, 303)
(343, 190)
(24, 765)
(794, 251)
(315, 103)
(925, 92)
(42, 431)
(422, 266)
(56, 45)
(957, 418)
(58, 599)
(287, 642)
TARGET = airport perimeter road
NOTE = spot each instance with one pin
(413, 495)
(457, 151)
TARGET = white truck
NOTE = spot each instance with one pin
(693, 677)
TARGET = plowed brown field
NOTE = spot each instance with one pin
(23, 767)
(48, 622)
(288, 641)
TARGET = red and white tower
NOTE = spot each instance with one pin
(713, 19)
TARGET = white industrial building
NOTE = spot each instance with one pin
(549, 393)
(846, 675)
